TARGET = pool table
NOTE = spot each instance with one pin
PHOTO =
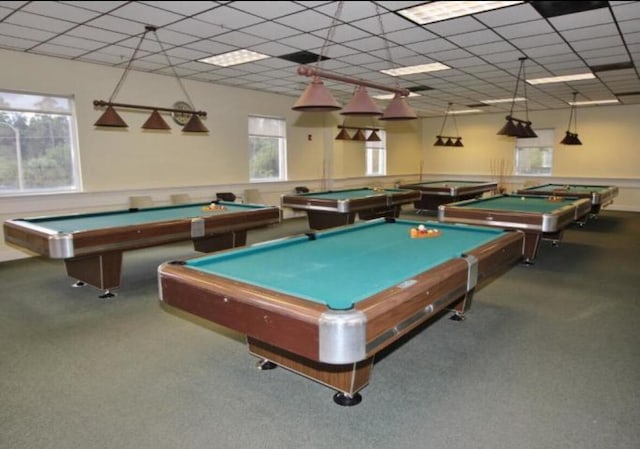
(537, 216)
(331, 208)
(600, 196)
(435, 193)
(324, 304)
(92, 244)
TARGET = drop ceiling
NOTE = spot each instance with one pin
(482, 50)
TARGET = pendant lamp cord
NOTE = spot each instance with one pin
(173, 69)
(126, 70)
(386, 42)
(446, 114)
(573, 115)
(330, 33)
(515, 93)
(524, 85)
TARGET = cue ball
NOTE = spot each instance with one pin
(421, 228)
(522, 198)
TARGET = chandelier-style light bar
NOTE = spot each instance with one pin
(571, 138)
(111, 119)
(516, 127)
(451, 141)
(398, 108)
(317, 98)
(359, 135)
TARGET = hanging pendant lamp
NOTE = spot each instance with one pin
(316, 98)
(521, 128)
(195, 125)
(110, 118)
(398, 109)
(359, 135)
(361, 105)
(155, 121)
(571, 138)
(343, 135)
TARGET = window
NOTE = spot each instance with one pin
(534, 156)
(37, 144)
(267, 149)
(377, 155)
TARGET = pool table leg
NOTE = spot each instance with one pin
(347, 379)
(98, 270)
(531, 246)
(460, 308)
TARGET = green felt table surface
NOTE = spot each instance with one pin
(578, 189)
(350, 193)
(103, 220)
(345, 265)
(447, 184)
(517, 203)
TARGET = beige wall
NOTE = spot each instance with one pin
(609, 135)
(116, 163)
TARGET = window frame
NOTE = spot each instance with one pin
(72, 136)
(379, 146)
(544, 142)
(282, 148)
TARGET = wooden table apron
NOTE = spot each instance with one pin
(600, 196)
(434, 194)
(535, 225)
(95, 256)
(292, 332)
(329, 209)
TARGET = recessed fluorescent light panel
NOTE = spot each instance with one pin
(411, 70)
(585, 103)
(465, 111)
(391, 96)
(562, 79)
(437, 11)
(234, 58)
(503, 100)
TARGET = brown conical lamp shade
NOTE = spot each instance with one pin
(509, 129)
(439, 142)
(373, 137)
(111, 119)
(529, 131)
(458, 142)
(449, 142)
(361, 104)
(155, 121)
(343, 135)
(316, 98)
(359, 135)
(567, 139)
(398, 109)
(195, 125)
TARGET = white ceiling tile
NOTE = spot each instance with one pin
(485, 63)
(272, 11)
(582, 19)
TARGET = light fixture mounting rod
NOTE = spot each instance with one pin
(310, 71)
(102, 103)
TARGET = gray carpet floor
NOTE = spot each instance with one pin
(548, 358)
